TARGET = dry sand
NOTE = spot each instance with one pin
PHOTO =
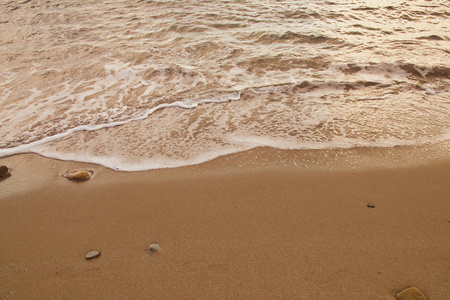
(249, 232)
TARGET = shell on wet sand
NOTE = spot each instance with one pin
(79, 175)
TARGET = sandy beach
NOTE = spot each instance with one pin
(226, 231)
(260, 149)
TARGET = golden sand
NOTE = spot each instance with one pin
(237, 232)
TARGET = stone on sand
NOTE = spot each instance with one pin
(4, 172)
(411, 293)
(154, 248)
(92, 254)
(78, 175)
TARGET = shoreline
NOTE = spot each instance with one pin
(248, 225)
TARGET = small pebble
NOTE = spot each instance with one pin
(430, 92)
(92, 254)
(370, 205)
(78, 175)
(4, 172)
(411, 293)
(154, 248)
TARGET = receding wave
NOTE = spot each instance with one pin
(138, 102)
(303, 115)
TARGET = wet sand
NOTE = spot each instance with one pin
(249, 232)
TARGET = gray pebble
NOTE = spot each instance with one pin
(4, 172)
(154, 248)
(92, 254)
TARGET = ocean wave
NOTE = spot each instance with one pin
(183, 80)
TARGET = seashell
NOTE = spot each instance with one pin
(78, 175)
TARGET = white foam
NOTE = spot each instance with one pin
(241, 144)
(181, 104)
(308, 109)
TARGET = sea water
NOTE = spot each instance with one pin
(136, 85)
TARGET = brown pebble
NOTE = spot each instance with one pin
(92, 254)
(411, 293)
(4, 172)
(78, 175)
(154, 248)
(370, 205)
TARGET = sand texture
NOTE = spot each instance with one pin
(235, 233)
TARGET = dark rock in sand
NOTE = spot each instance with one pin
(78, 175)
(4, 172)
(370, 205)
(154, 248)
(92, 254)
(411, 293)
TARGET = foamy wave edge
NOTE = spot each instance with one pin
(116, 164)
(26, 148)
(243, 143)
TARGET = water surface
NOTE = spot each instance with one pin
(136, 85)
